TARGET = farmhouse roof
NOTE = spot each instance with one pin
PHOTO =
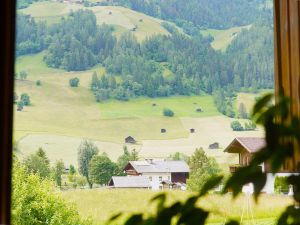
(250, 144)
(163, 166)
(130, 182)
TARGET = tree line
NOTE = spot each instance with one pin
(160, 66)
(200, 13)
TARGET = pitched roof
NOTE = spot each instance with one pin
(130, 182)
(250, 144)
(163, 166)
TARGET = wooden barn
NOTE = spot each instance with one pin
(130, 140)
(215, 145)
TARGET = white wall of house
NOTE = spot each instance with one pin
(157, 178)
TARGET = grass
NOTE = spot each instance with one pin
(143, 107)
(101, 204)
(123, 19)
(249, 99)
(222, 38)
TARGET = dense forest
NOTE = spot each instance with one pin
(217, 14)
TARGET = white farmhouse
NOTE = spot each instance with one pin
(160, 173)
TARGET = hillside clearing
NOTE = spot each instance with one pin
(122, 18)
(222, 38)
(101, 204)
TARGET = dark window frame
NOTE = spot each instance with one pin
(7, 56)
(287, 63)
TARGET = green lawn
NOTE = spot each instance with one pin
(101, 204)
(249, 99)
(222, 38)
(143, 107)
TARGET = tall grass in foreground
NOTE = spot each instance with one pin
(101, 204)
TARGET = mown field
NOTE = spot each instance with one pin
(60, 117)
(121, 18)
(222, 38)
(101, 204)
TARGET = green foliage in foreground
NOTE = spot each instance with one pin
(279, 125)
(38, 164)
(35, 202)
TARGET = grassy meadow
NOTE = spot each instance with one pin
(101, 204)
(60, 117)
(222, 38)
(123, 19)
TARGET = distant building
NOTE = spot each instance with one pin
(130, 182)
(245, 147)
(130, 140)
(215, 145)
(160, 172)
(192, 130)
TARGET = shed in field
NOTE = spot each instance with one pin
(215, 145)
(130, 140)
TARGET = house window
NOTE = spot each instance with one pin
(169, 178)
(150, 178)
(160, 178)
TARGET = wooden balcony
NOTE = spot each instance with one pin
(233, 168)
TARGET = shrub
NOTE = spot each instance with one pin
(20, 106)
(38, 83)
(74, 82)
(168, 112)
(236, 126)
(250, 125)
(23, 75)
(25, 99)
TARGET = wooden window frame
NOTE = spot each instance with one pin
(7, 56)
(287, 79)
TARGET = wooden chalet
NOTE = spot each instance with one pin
(246, 147)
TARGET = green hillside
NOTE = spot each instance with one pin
(60, 117)
(123, 19)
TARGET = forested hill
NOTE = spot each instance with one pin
(192, 65)
(218, 14)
